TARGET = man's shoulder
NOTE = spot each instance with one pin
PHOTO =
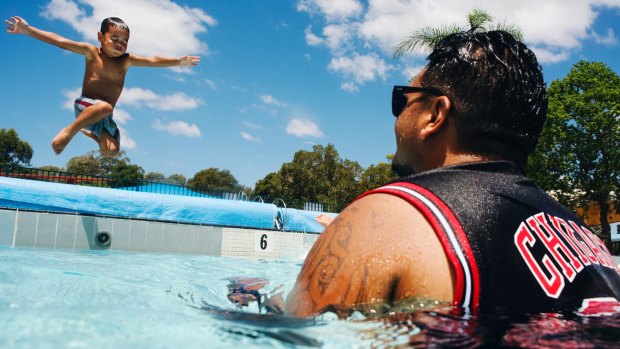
(376, 216)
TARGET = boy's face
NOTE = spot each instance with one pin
(114, 41)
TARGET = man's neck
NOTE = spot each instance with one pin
(452, 159)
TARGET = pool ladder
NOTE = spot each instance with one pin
(281, 215)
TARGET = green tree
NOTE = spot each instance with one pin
(427, 38)
(110, 164)
(126, 174)
(155, 177)
(214, 179)
(96, 164)
(270, 187)
(578, 155)
(13, 150)
(345, 186)
(87, 164)
(319, 175)
(177, 179)
(51, 168)
(48, 170)
(376, 175)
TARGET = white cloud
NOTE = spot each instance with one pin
(410, 72)
(252, 125)
(270, 100)
(280, 25)
(549, 55)
(340, 9)
(301, 127)
(70, 96)
(177, 78)
(555, 23)
(178, 128)
(349, 87)
(311, 38)
(249, 137)
(127, 141)
(608, 40)
(157, 27)
(239, 88)
(121, 116)
(359, 69)
(140, 97)
(339, 37)
(211, 84)
(555, 29)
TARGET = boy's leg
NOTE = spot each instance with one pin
(108, 144)
(90, 135)
(89, 116)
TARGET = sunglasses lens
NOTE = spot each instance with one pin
(399, 101)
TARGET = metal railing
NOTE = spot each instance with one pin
(141, 185)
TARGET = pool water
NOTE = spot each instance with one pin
(109, 299)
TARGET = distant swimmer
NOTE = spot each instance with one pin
(104, 77)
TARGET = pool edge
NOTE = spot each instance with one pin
(72, 231)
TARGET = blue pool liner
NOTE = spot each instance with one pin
(58, 197)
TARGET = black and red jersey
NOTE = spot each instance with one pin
(510, 244)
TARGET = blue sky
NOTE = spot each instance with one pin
(275, 77)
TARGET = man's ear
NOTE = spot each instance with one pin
(439, 110)
(99, 36)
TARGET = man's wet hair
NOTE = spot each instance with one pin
(498, 95)
(114, 22)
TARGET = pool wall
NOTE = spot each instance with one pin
(60, 216)
(32, 229)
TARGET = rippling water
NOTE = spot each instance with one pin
(94, 299)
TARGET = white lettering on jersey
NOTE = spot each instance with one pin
(568, 248)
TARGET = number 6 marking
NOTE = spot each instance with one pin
(263, 242)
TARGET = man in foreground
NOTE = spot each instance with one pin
(464, 225)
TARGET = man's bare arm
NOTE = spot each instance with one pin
(349, 264)
(18, 25)
(158, 61)
(379, 249)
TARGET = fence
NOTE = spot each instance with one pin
(143, 186)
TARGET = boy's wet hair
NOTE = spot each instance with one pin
(498, 95)
(115, 22)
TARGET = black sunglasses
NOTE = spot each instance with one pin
(399, 98)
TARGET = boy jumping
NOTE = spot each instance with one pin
(104, 77)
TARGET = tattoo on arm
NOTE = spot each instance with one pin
(323, 285)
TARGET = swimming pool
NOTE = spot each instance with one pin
(111, 299)
(117, 299)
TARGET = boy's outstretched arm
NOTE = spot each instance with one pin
(158, 61)
(18, 25)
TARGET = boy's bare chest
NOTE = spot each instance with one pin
(112, 70)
